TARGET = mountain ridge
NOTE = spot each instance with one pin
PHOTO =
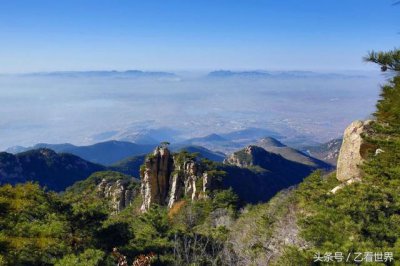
(50, 169)
(106, 153)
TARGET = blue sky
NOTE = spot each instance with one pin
(194, 34)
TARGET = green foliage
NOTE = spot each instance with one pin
(226, 199)
(292, 256)
(387, 60)
(84, 220)
(34, 229)
(216, 175)
(43, 228)
(184, 156)
(361, 217)
(153, 231)
(90, 257)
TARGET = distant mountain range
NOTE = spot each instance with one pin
(104, 73)
(170, 75)
(248, 74)
(277, 74)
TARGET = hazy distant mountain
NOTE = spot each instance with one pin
(310, 74)
(211, 137)
(203, 152)
(232, 141)
(278, 74)
(148, 136)
(246, 74)
(55, 171)
(55, 147)
(110, 152)
(213, 142)
(274, 146)
(16, 149)
(105, 153)
(249, 134)
(141, 138)
(327, 152)
(104, 73)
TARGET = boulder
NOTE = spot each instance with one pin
(353, 151)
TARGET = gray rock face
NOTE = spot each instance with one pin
(353, 151)
(166, 180)
(118, 192)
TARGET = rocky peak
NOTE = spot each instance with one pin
(166, 178)
(269, 142)
(249, 156)
(155, 177)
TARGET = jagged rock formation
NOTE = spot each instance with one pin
(183, 182)
(353, 151)
(166, 178)
(119, 192)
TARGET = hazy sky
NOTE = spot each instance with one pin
(197, 34)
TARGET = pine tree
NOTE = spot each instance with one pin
(385, 162)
